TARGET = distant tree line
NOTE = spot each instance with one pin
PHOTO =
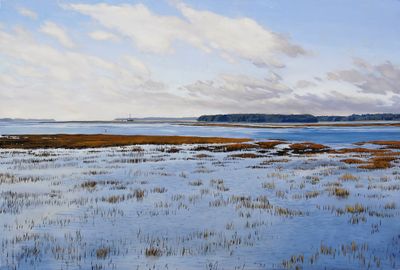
(361, 117)
(295, 118)
(259, 118)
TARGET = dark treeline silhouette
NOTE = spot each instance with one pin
(259, 118)
(296, 118)
(361, 117)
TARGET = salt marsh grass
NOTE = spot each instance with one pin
(239, 205)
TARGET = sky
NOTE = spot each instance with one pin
(92, 60)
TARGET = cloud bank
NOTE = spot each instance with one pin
(108, 69)
(205, 30)
(378, 79)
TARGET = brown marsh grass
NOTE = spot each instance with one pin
(387, 144)
(77, 141)
(102, 253)
(352, 161)
(153, 252)
(269, 144)
(348, 177)
(308, 147)
(341, 192)
(239, 190)
(245, 155)
(377, 163)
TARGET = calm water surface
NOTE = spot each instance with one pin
(327, 135)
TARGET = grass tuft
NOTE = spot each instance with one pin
(341, 192)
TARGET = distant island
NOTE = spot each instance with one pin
(361, 117)
(25, 120)
(295, 118)
(156, 119)
(259, 118)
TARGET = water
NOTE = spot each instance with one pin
(49, 218)
(325, 135)
(285, 206)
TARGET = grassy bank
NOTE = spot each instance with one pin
(76, 141)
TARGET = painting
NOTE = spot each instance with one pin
(187, 134)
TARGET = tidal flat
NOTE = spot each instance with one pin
(245, 204)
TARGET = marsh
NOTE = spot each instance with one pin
(226, 205)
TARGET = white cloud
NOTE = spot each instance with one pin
(305, 84)
(379, 79)
(137, 65)
(27, 13)
(245, 94)
(238, 88)
(44, 82)
(150, 32)
(236, 93)
(208, 31)
(338, 103)
(330, 103)
(58, 33)
(102, 35)
(40, 81)
(241, 37)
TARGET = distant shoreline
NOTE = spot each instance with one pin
(366, 123)
(238, 119)
(184, 122)
(294, 118)
(297, 125)
(82, 141)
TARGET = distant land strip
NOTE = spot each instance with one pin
(79, 141)
(294, 125)
(295, 118)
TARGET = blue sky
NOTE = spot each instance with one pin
(102, 60)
